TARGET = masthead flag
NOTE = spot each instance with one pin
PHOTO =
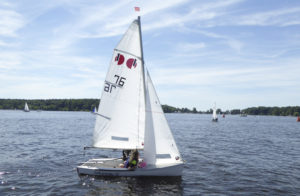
(137, 9)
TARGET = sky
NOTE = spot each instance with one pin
(237, 53)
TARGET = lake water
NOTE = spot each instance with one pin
(260, 155)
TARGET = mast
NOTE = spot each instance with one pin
(142, 56)
(143, 67)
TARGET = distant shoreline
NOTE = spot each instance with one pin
(89, 104)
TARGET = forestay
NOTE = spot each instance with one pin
(120, 121)
(160, 147)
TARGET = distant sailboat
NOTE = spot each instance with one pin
(243, 114)
(94, 110)
(26, 108)
(214, 116)
(130, 117)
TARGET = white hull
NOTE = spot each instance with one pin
(94, 167)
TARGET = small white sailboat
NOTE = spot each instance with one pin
(26, 108)
(214, 116)
(130, 116)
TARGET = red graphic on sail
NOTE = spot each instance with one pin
(131, 63)
(120, 59)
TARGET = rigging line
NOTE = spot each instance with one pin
(103, 116)
(139, 108)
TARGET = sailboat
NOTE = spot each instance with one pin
(243, 114)
(94, 110)
(130, 116)
(26, 108)
(214, 116)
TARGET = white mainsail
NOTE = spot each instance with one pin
(215, 112)
(26, 108)
(120, 122)
(160, 147)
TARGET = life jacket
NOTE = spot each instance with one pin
(133, 162)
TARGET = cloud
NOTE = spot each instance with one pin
(190, 47)
(10, 22)
(283, 75)
(281, 17)
(235, 87)
(9, 60)
(228, 41)
(197, 13)
(235, 44)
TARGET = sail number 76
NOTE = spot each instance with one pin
(120, 81)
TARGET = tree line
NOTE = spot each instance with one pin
(274, 111)
(89, 104)
(50, 104)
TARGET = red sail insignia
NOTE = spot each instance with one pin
(131, 63)
(120, 59)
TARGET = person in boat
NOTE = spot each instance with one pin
(130, 159)
(134, 160)
(125, 158)
(126, 154)
(142, 164)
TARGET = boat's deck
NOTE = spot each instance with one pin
(99, 163)
(110, 167)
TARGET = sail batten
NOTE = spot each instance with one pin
(128, 53)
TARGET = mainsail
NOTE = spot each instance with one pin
(120, 121)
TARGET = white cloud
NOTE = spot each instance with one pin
(9, 60)
(282, 17)
(7, 44)
(235, 44)
(231, 87)
(201, 12)
(242, 77)
(10, 22)
(190, 47)
(229, 41)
